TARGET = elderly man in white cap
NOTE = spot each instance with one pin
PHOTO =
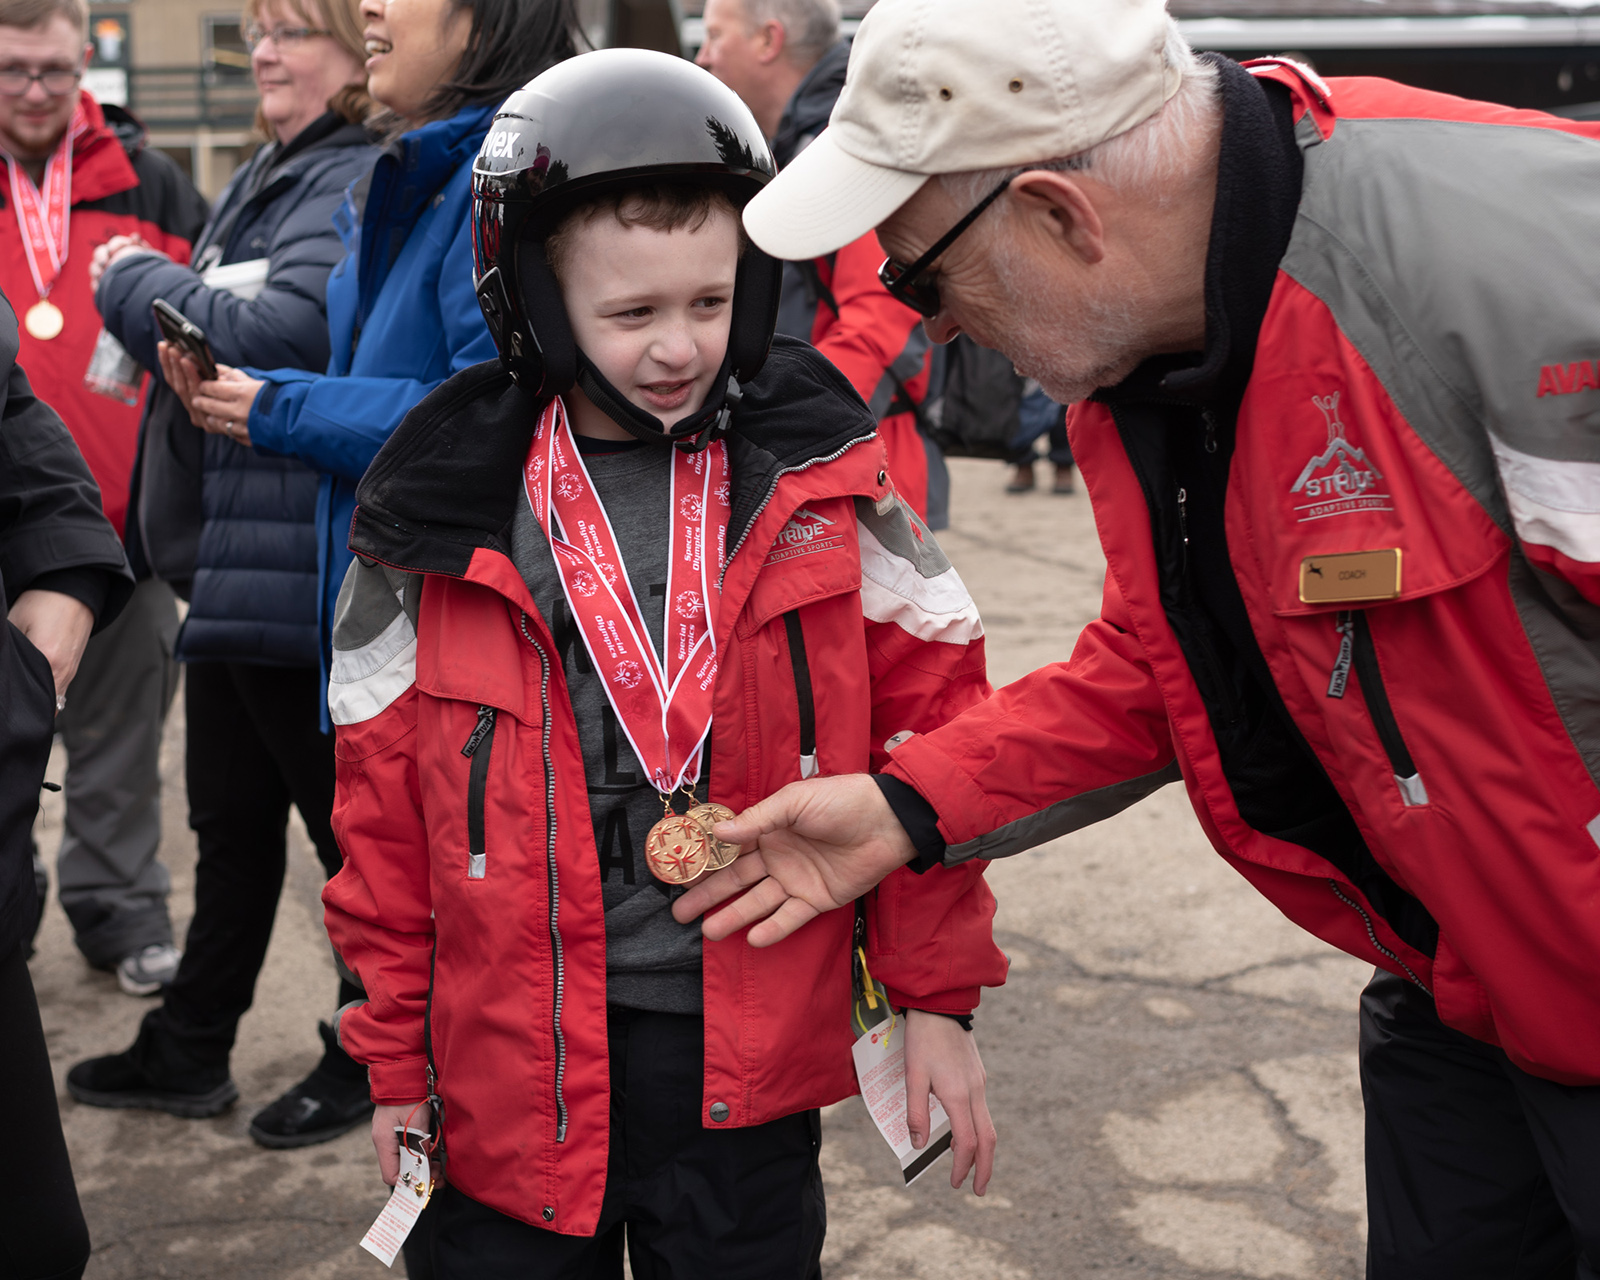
(1336, 351)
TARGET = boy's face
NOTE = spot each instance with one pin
(651, 308)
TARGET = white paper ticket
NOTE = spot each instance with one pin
(410, 1196)
(880, 1057)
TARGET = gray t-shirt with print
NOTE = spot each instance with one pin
(652, 961)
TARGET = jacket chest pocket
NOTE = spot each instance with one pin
(479, 749)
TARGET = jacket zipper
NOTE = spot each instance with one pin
(1227, 705)
(478, 748)
(1372, 935)
(434, 1100)
(1183, 530)
(1339, 677)
(773, 488)
(556, 952)
(804, 700)
(1365, 658)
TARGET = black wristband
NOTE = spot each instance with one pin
(918, 817)
(964, 1020)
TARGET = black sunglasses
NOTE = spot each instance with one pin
(911, 285)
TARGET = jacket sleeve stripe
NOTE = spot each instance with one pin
(930, 607)
(1553, 503)
(374, 645)
(1062, 817)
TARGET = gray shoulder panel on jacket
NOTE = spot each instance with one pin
(898, 530)
(370, 599)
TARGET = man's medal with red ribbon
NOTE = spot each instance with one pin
(663, 703)
(44, 218)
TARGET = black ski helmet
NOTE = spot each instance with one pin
(606, 121)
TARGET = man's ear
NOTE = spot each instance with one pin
(774, 39)
(1066, 212)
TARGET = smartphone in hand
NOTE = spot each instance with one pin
(186, 336)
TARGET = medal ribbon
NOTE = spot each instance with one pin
(663, 704)
(45, 217)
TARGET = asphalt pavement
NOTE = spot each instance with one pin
(1171, 1063)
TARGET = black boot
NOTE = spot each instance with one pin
(330, 1101)
(154, 1077)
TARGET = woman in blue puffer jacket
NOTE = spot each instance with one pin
(234, 532)
(401, 306)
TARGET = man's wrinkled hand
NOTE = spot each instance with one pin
(817, 846)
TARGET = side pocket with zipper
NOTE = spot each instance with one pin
(479, 747)
(804, 698)
(1362, 654)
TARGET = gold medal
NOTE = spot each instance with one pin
(677, 849)
(44, 320)
(720, 853)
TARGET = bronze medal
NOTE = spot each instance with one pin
(720, 853)
(677, 849)
(44, 320)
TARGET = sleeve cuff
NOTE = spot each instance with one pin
(918, 817)
(86, 584)
(394, 1084)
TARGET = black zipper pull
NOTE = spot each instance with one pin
(1344, 624)
(485, 723)
(1210, 419)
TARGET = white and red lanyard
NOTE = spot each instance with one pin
(44, 217)
(664, 706)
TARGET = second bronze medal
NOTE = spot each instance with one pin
(677, 849)
(721, 853)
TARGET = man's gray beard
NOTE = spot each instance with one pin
(1070, 348)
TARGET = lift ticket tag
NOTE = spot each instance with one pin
(880, 1056)
(410, 1196)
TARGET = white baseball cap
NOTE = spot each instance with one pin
(947, 86)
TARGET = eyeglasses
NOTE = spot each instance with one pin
(283, 37)
(912, 285)
(57, 81)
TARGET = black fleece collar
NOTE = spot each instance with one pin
(1259, 174)
(807, 111)
(447, 481)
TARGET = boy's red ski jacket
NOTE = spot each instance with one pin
(1426, 386)
(470, 901)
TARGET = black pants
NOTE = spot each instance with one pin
(42, 1233)
(1476, 1170)
(696, 1203)
(254, 747)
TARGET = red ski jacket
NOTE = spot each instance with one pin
(1426, 390)
(119, 188)
(469, 903)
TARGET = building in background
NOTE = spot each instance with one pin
(1524, 53)
(182, 67)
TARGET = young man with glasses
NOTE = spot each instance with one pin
(76, 174)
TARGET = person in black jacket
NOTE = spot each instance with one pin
(234, 530)
(63, 574)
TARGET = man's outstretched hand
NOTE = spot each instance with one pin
(820, 844)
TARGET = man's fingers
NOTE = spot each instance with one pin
(780, 809)
(719, 886)
(782, 922)
(917, 1087)
(756, 905)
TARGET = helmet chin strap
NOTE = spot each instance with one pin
(692, 434)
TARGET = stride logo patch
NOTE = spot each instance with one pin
(1340, 479)
(805, 534)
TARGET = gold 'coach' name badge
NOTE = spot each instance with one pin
(1348, 578)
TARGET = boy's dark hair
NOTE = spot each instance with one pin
(511, 42)
(660, 206)
(28, 14)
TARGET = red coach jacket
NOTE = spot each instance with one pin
(119, 188)
(1426, 388)
(839, 612)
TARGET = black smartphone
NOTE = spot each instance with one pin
(187, 336)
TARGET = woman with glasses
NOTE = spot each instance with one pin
(234, 530)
